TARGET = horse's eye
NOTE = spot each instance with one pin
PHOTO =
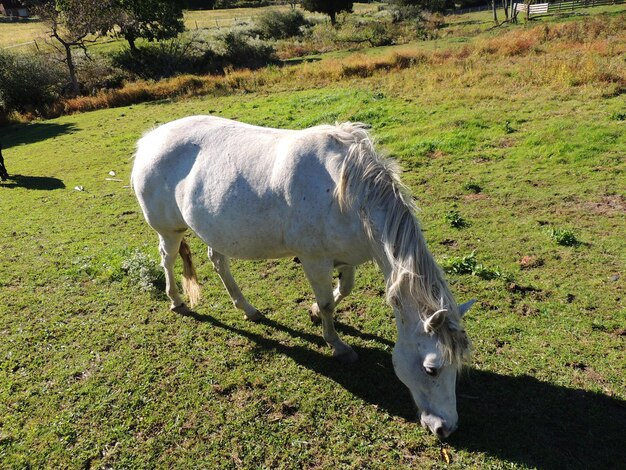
(432, 371)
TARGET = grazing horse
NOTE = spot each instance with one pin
(325, 196)
(3, 170)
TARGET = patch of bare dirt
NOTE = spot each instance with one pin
(613, 204)
(475, 197)
(529, 262)
(506, 142)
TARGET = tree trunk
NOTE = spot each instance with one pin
(333, 18)
(72, 69)
(495, 11)
(131, 42)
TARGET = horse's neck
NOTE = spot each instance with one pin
(426, 269)
(377, 220)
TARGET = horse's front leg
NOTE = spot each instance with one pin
(343, 289)
(320, 276)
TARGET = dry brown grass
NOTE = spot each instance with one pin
(561, 56)
(364, 66)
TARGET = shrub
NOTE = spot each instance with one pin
(401, 13)
(426, 5)
(275, 24)
(166, 59)
(379, 34)
(242, 51)
(98, 73)
(28, 83)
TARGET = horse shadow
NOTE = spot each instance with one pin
(516, 418)
(43, 183)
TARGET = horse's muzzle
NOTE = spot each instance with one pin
(438, 426)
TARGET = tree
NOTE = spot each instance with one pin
(329, 7)
(494, 10)
(149, 19)
(71, 23)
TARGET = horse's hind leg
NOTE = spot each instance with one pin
(222, 267)
(320, 276)
(169, 245)
(343, 289)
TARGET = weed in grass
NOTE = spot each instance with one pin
(455, 219)
(619, 116)
(469, 265)
(144, 272)
(472, 187)
(563, 237)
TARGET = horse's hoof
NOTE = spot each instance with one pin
(346, 357)
(314, 314)
(181, 309)
(255, 315)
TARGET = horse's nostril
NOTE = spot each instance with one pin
(440, 432)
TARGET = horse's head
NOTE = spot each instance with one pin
(426, 358)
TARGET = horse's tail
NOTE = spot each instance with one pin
(190, 279)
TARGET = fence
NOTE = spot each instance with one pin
(556, 7)
(544, 8)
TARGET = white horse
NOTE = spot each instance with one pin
(324, 195)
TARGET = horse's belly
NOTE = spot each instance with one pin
(260, 246)
(240, 231)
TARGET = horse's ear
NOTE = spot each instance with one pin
(463, 308)
(435, 321)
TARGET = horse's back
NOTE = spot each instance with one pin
(247, 191)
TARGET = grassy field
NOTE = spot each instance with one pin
(22, 33)
(519, 136)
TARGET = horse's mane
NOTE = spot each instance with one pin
(373, 182)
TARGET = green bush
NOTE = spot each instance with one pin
(243, 51)
(234, 49)
(28, 83)
(167, 58)
(98, 73)
(275, 24)
(401, 13)
(425, 5)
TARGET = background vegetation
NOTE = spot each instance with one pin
(513, 143)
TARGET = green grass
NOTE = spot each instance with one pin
(23, 32)
(96, 372)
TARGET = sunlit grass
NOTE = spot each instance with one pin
(515, 135)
